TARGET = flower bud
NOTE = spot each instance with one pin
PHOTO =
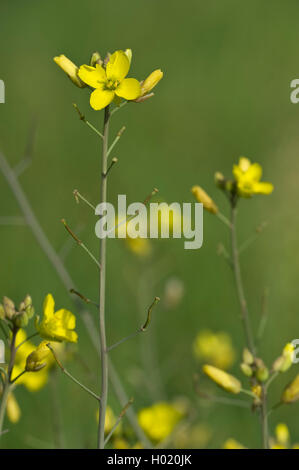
(9, 308)
(291, 392)
(70, 69)
(201, 196)
(219, 180)
(257, 390)
(151, 81)
(247, 356)
(284, 362)
(262, 372)
(128, 53)
(21, 319)
(95, 59)
(35, 360)
(223, 379)
(246, 369)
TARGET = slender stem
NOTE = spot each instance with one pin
(102, 290)
(120, 417)
(223, 219)
(118, 136)
(68, 374)
(264, 417)
(239, 283)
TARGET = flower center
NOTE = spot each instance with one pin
(111, 85)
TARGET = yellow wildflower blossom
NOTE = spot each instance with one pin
(216, 348)
(159, 420)
(232, 444)
(284, 362)
(248, 176)
(223, 379)
(56, 326)
(110, 81)
(13, 410)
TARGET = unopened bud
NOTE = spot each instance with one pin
(70, 69)
(257, 390)
(128, 53)
(223, 379)
(2, 312)
(36, 360)
(151, 81)
(21, 319)
(262, 372)
(247, 356)
(219, 180)
(9, 308)
(201, 196)
(95, 59)
(246, 369)
(284, 362)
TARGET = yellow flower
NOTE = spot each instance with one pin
(159, 420)
(248, 176)
(284, 362)
(110, 81)
(32, 381)
(223, 379)
(110, 420)
(216, 348)
(12, 409)
(282, 434)
(232, 444)
(151, 81)
(291, 392)
(56, 326)
(70, 69)
(201, 196)
(36, 360)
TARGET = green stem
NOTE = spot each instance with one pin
(264, 416)
(239, 282)
(102, 289)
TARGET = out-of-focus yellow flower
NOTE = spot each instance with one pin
(248, 177)
(32, 381)
(201, 196)
(110, 420)
(151, 81)
(139, 246)
(110, 81)
(282, 434)
(36, 360)
(194, 437)
(13, 410)
(257, 390)
(223, 379)
(216, 348)
(284, 362)
(56, 326)
(159, 420)
(291, 392)
(232, 444)
(70, 69)
(120, 443)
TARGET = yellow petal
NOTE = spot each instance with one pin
(48, 307)
(93, 76)
(254, 172)
(129, 54)
(129, 89)
(263, 188)
(118, 66)
(67, 318)
(100, 98)
(13, 410)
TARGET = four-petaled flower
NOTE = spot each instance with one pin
(248, 177)
(110, 81)
(56, 326)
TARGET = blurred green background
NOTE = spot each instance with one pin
(228, 67)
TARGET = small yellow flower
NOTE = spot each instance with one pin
(291, 392)
(110, 420)
(70, 69)
(159, 420)
(110, 81)
(215, 348)
(223, 379)
(282, 434)
(232, 444)
(12, 409)
(201, 196)
(248, 176)
(151, 81)
(56, 326)
(36, 360)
